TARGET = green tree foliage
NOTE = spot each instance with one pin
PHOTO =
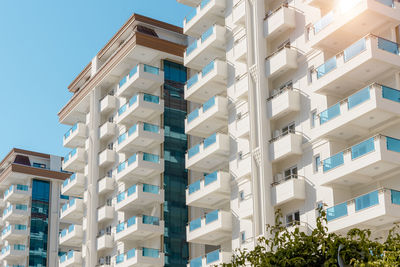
(293, 248)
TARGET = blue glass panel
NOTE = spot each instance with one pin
(210, 140)
(333, 162)
(71, 228)
(204, 3)
(191, 15)
(133, 100)
(194, 187)
(393, 144)
(121, 138)
(151, 220)
(329, 114)
(132, 159)
(193, 151)
(210, 103)
(151, 189)
(209, 67)
(151, 128)
(210, 178)
(212, 216)
(389, 3)
(20, 227)
(354, 50)
(70, 254)
(151, 69)
(388, 46)
(197, 262)
(194, 79)
(151, 98)
(367, 201)
(122, 109)
(122, 82)
(72, 202)
(212, 257)
(133, 71)
(323, 22)
(151, 252)
(395, 196)
(21, 207)
(207, 34)
(120, 197)
(131, 254)
(120, 227)
(62, 258)
(191, 48)
(72, 177)
(119, 258)
(195, 224)
(391, 94)
(131, 190)
(121, 167)
(22, 187)
(362, 148)
(193, 115)
(131, 221)
(336, 211)
(151, 157)
(132, 130)
(326, 67)
(358, 98)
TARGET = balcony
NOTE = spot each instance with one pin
(321, 4)
(239, 13)
(71, 259)
(14, 233)
(141, 107)
(214, 190)
(108, 104)
(240, 49)
(214, 258)
(144, 257)
(212, 229)
(16, 213)
(211, 154)
(105, 185)
(240, 89)
(335, 30)
(138, 197)
(375, 210)
(105, 213)
(361, 163)
(139, 228)
(72, 211)
(207, 83)
(211, 45)
(74, 161)
(107, 158)
(241, 126)
(192, 3)
(367, 109)
(283, 102)
(74, 185)
(209, 118)
(286, 145)
(17, 193)
(105, 242)
(14, 252)
(291, 188)
(352, 68)
(280, 62)
(141, 78)
(76, 136)
(72, 236)
(107, 131)
(279, 21)
(204, 16)
(141, 136)
(139, 166)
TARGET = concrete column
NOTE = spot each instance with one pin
(53, 230)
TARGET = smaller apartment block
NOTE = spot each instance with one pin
(30, 201)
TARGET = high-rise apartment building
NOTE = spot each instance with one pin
(30, 188)
(128, 152)
(292, 105)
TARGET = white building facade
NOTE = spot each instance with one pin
(293, 104)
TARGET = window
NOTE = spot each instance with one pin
(317, 163)
(240, 155)
(310, 74)
(39, 165)
(111, 119)
(292, 218)
(291, 173)
(243, 237)
(290, 128)
(109, 202)
(109, 173)
(110, 145)
(241, 196)
(313, 118)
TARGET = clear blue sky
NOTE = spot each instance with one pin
(44, 44)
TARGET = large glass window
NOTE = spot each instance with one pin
(39, 223)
